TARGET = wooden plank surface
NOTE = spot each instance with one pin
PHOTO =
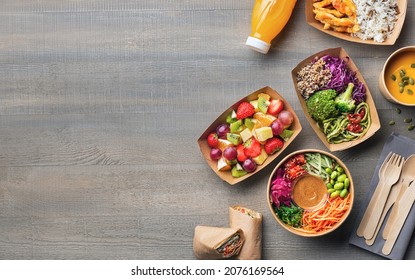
(101, 104)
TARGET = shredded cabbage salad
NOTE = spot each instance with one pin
(281, 189)
(341, 76)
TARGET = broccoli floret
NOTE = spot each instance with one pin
(321, 105)
(344, 101)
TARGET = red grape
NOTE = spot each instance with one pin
(249, 165)
(277, 127)
(286, 118)
(222, 130)
(230, 153)
(215, 153)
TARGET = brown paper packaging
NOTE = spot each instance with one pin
(375, 122)
(208, 240)
(251, 224)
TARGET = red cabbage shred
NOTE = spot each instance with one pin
(281, 189)
(341, 76)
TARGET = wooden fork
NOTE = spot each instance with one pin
(391, 175)
(366, 216)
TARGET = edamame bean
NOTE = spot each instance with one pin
(340, 170)
(338, 186)
(330, 191)
(344, 193)
(341, 178)
(335, 194)
(332, 182)
(329, 186)
(346, 183)
(328, 170)
(333, 175)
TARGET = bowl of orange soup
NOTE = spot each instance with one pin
(397, 79)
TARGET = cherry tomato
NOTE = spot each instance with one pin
(362, 112)
(354, 118)
(355, 128)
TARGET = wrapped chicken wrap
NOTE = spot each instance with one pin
(251, 224)
(213, 243)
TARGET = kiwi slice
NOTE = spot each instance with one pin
(263, 104)
(234, 138)
(231, 117)
(249, 123)
(238, 171)
(286, 134)
(236, 126)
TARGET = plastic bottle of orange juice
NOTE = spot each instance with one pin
(269, 17)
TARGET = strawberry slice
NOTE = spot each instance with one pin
(240, 150)
(275, 107)
(213, 140)
(252, 148)
(245, 109)
(273, 145)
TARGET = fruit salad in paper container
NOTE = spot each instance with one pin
(249, 135)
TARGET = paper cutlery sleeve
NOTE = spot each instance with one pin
(251, 224)
(214, 243)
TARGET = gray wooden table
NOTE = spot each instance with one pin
(101, 104)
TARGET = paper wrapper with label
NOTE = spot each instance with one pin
(251, 224)
(213, 243)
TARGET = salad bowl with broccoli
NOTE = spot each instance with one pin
(335, 99)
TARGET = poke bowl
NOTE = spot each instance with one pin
(335, 99)
(249, 135)
(378, 23)
(310, 193)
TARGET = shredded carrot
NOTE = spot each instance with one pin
(326, 217)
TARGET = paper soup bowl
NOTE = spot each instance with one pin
(374, 118)
(226, 175)
(390, 40)
(308, 196)
(391, 77)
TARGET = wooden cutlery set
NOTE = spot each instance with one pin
(395, 191)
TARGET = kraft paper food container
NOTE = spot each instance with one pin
(375, 122)
(299, 231)
(402, 6)
(205, 149)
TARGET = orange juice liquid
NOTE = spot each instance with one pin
(269, 17)
(403, 61)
